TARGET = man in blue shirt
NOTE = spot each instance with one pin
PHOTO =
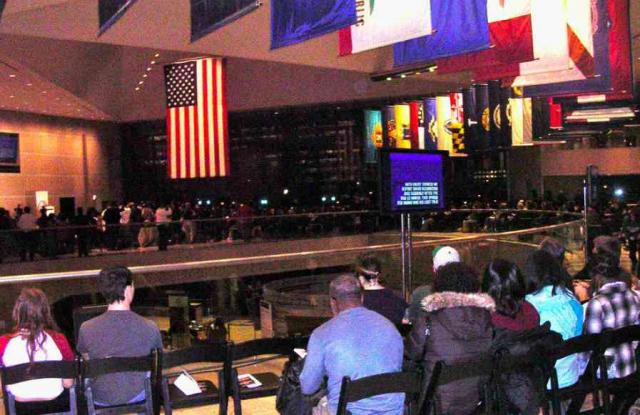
(356, 342)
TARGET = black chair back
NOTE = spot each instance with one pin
(408, 383)
(446, 373)
(210, 352)
(93, 368)
(274, 345)
(61, 369)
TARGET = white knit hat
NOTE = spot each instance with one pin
(443, 255)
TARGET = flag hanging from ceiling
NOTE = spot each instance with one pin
(197, 138)
(385, 22)
(443, 123)
(601, 81)
(416, 109)
(620, 49)
(457, 123)
(403, 126)
(389, 119)
(521, 121)
(540, 117)
(294, 21)
(471, 123)
(459, 26)
(510, 34)
(373, 135)
(578, 34)
(430, 124)
(550, 44)
(484, 116)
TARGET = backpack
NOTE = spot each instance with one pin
(289, 399)
(524, 390)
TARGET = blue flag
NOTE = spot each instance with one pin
(430, 126)
(460, 26)
(294, 21)
(372, 135)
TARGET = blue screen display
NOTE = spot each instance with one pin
(416, 181)
(8, 148)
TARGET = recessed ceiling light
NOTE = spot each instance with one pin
(156, 55)
(141, 82)
(29, 84)
(153, 62)
(148, 68)
(12, 96)
(12, 75)
(137, 88)
(44, 92)
(145, 75)
(403, 76)
(388, 78)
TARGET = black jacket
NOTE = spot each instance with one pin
(453, 326)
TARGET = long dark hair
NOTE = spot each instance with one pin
(542, 269)
(32, 316)
(504, 282)
(456, 277)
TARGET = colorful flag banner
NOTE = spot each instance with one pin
(484, 116)
(601, 82)
(197, 136)
(459, 27)
(430, 124)
(385, 22)
(511, 38)
(540, 117)
(521, 121)
(416, 109)
(294, 21)
(389, 119)
(457, 123)
(443, 123)
(550, 44)
(620, 50)
(471, 119)
(373, 135)
(555, 115)
(403, 126)
(579, 53)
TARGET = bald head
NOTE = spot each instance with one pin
(346, 292)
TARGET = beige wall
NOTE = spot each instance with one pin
(611, 161)
(66, 157)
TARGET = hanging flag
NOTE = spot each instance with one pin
(495, 114)
(540, 117)
(579, 53)
(197, 137)
(471, 122)
(390, 123)
(373, 135)
(385, 22)
(484, 116)
(521, 118)
(417, 124)
(555, 115)
(457, 123)
(550, 44)
(599, 83)
(430, 124)
(294, 21)
(403, 126)
(443, 123)
(459, 27)
(510, 34)
(620, 49)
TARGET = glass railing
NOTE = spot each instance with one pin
(275, 281)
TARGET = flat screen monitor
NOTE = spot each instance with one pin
(412, 180)
(9, 149)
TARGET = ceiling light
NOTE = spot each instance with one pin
(137, 88)
(389, 78)
(44, 92)
(29, 84)
(156, 55)
(141, 82)
(403, 76)
(153, 62)
(148, 68)
(145, 75)
(12, 75)
(417, 73)
(12, 96)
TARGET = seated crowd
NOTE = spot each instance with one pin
(463, 314)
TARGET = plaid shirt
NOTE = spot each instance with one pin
(614, 306)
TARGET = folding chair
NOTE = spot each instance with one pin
(444, 374)
(409, 383)
(93, 368)
(269, 381)
(62, 369)
(589, 383)
(621, 393)
(172, 397)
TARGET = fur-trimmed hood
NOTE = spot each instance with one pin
(449, 299)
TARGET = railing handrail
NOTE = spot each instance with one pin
(32, 278)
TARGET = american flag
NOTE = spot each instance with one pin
(197, 139)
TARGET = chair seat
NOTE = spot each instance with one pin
(209, 393)
(270, 383)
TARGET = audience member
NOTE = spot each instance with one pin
(357, 343)
(163, 220)
(504, 282)
(455, 325)
(547, 285)
(442, 255)
(376, 297)
(554, 247)
(128, 334)
(28, 224)
(631, 232)
(35, 340)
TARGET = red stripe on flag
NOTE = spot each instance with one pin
(214, 85)
(620, 48)
(170, 138)
(580, 55)
(225, 135)
(345, 41)
(196, 139)
(188, 138)
(205, 88)
(178, 139)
